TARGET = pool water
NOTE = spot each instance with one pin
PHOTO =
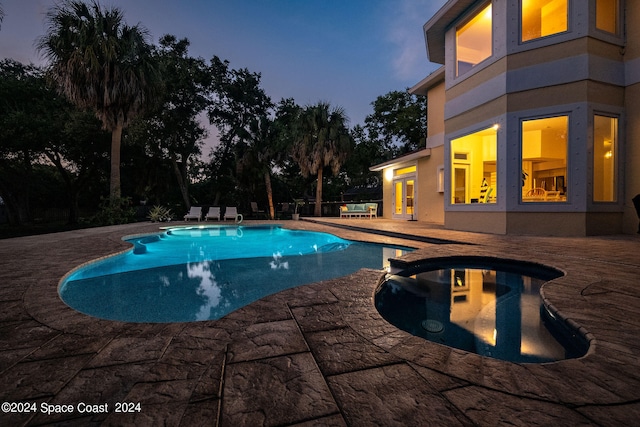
(482, 309)
(204, 273)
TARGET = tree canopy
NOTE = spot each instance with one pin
(173, 130)
(398, 121)
(100, 63)
(41, 129)
(321, 140)
(152, 99)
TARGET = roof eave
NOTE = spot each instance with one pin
(425, 152)
(423, 86)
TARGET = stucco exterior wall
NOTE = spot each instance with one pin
(435, 110)
(430, 202)
(632, 107)
(632, 30)
(632, 157)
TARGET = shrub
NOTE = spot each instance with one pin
(114, 212)
(160, 214)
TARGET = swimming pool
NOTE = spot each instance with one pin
(486, 307)
(203, 273)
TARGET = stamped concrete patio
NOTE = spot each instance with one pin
(317, 354)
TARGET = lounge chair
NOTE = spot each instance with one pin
(194, 213)
(255, 211)
(231, 212)
(284, 210)
(213, 213)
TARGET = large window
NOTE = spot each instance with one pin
(544, 159)
(473, 167)
(474, 41)
(541, 18)
(605, 132)
(607, 15)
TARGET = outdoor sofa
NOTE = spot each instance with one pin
(359, 210)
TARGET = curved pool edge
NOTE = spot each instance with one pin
(124, 239)
(551, 274)
(310, 242)
(570, 323)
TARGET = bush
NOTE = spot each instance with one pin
(112, 212)
(160, 214)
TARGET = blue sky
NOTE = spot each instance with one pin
(347, 52)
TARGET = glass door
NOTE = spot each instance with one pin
(460, 193)
(404, 198)
(409, 199)
(398, 198)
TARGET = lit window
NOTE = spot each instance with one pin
(605, 130)
(473, 167)
(607, 15)
(408, 169)
(474, 41)
(541, 18)
(544, 159)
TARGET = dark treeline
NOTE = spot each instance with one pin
(99, 139)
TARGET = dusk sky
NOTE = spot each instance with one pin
(346, 52)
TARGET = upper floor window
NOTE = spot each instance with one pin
(607, 15)
(541, 18)
(474, 41)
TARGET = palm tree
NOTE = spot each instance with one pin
(322, 140)
(255, 153)
(102, 64)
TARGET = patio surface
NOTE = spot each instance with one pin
(317, 354)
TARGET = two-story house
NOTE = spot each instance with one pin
(533, 120)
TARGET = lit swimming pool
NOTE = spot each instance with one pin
(204, 273)
(486, 307)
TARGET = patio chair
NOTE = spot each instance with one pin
(255, 211)
(284, 210)
(213, 213)
(194, 213)
(230, 212)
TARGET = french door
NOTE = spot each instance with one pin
(404, 198)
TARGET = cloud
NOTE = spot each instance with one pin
(409, 58)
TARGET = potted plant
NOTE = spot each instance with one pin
(295, 215)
